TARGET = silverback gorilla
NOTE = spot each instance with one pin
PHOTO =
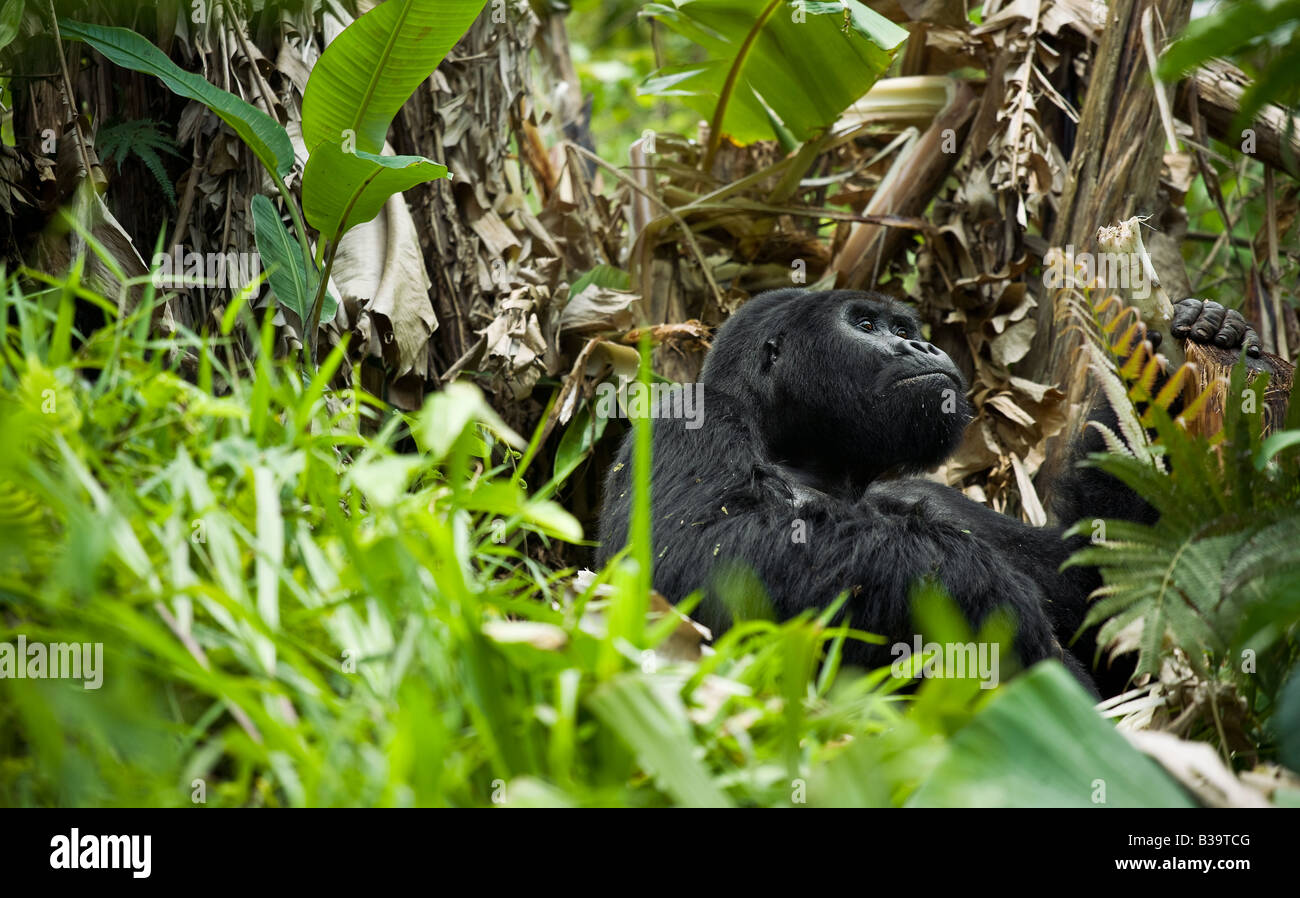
(817, 405)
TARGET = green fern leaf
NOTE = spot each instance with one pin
(143, 139)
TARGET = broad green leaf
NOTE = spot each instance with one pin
(11, 17)
(1231, 26)
(383, 478)
(264, 135)
(1275, 444)
(553, 518)
(1039, 743)
(504, 499)
(341, 190)
(372, 68)
(294, 287)
(1286, 721)
(577, 441)
(602, 276)
(447, 413)
(799, 68)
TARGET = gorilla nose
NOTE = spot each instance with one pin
(917, 347)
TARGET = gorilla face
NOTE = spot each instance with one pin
(841, 384)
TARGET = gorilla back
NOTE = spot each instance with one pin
(812, 402)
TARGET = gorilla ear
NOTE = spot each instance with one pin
(771, 349)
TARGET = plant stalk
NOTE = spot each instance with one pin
(729, 86)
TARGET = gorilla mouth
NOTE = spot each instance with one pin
(924, 374)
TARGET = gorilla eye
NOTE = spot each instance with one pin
(866, 325)
(902, 333)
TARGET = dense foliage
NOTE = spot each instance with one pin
(305, 598)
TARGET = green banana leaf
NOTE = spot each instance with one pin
(264, 135)
(341, 190)
(356, 88)
(293, 286)
(790, 67)
(372, 68)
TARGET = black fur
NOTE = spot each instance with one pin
(810, 423)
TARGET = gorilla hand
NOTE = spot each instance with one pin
(1205, 321)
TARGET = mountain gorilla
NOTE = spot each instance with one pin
(817, 404)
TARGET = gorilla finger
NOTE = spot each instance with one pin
(1234, 328)
(1209, 323)
(1250, 343)
(1185, 313)
(1156, 338)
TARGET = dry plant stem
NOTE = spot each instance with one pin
(654, 225)
(1162, 95)
(1270, 218)
(739, 207)
(1218, 725)
(268, 96)
(1211, 177)
(254, 74)
(744, 183)
(911, 182)
(187, 198)
(1220, 86)
(67, 91)
(1156, 309)
(832, 142)
(312, 325)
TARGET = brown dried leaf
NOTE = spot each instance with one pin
(598, 309)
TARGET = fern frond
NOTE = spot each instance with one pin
(143, 139)
(1134, 434)
(1113, 442)
(155, 166)
(1116, 625)
(1174, 386)
(1261, 589)
(1141, 388)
